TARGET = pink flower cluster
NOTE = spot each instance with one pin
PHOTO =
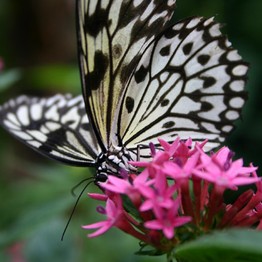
(180, 195)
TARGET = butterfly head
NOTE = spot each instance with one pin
(114, 162)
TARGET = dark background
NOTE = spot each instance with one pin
(38, 46)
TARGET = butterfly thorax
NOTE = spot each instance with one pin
(114, 162)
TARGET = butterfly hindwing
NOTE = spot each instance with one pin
(188, 83)
(112, 36)
(57, 127)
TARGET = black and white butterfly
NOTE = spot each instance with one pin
(141, 79)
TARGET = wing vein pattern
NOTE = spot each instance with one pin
(189, 82)
(112, 37)
(57, 127)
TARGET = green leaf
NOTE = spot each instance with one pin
(233, 245)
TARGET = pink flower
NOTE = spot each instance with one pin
(179, 170)
(113, 212)
(168, 220)
(180, 195)
(170, 148)
(101, 197)
(222, 171)
(159, 196)
(122, 186)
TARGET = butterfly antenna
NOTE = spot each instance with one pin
(80, 183)
(75, 205)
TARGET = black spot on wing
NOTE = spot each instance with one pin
(96, 22)
(69, 122)
(117, 51)
(81, 111)
(183, 32)
(165, 51)
(140, 74)
(55, 138)
(168, 124)
(207, 36)
(169, 34)
(94, 78)
(165, 102)
(208, 81)
(33, 125)
(187, 48)
(130, 104)
(203, 59)
(86, 126)
(205, 106)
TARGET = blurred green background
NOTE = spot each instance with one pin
(38, 46)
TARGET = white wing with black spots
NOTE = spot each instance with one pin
(57, 127)
(188, 83)
(112, 36)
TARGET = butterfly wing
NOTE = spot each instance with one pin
(112, 35)
(188, 83)
(57, 127)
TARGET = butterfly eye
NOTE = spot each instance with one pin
(101, 177)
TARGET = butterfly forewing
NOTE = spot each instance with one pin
(57, 127)
(112, 36)
(188, 83)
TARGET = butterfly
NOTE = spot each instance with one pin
(142, 78)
